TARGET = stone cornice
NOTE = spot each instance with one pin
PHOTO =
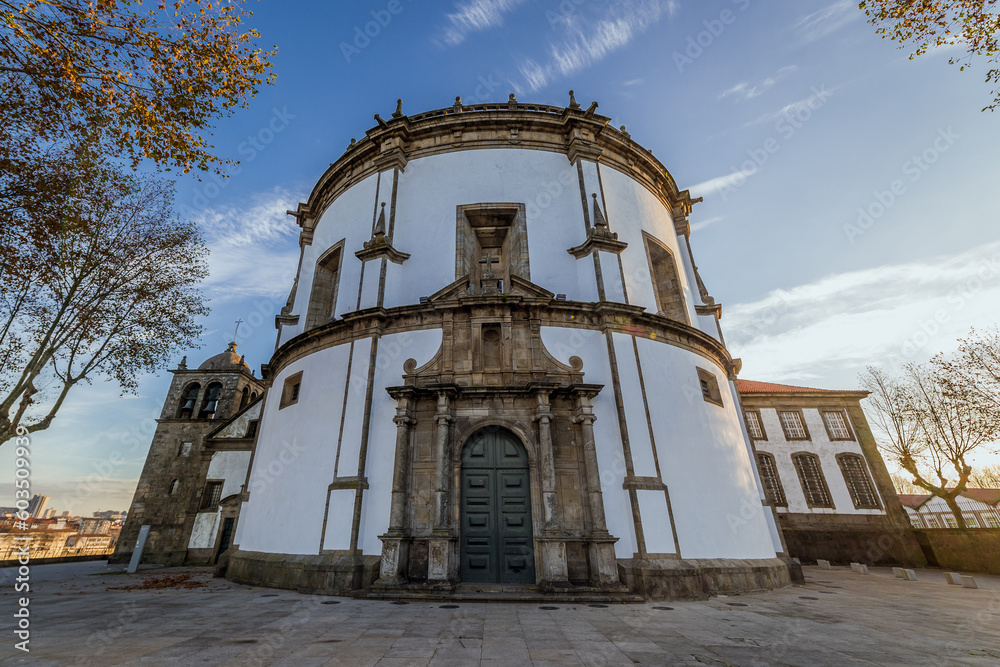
(600, 316)
(577, 133)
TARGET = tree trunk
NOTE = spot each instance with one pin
(953, 506)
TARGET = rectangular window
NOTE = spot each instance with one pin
(754, 427)
(915, 521)
(769, 478)
(970, 521)
(211, 496)
(992, 521)
(836, 425)
(791, 422)
(813, 483)
(709, 387)
(185, 448)
(251, 429)
(858, 483)
(290, 390)
(951, 522)
(932, 522)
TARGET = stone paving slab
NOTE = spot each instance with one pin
(837, 618)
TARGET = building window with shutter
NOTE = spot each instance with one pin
(709, 387)
(326, 280)
(793, 425)
(814, 487)
(836, 425)
(290, 391)
(858, 482)
(755, 426)
(769, 478)
(211, 496)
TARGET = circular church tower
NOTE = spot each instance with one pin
(498, 369)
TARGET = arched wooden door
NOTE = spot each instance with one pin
(496, 539)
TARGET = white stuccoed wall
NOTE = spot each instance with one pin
(827, 451)
(232, 468)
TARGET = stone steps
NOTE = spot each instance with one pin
(581, 595)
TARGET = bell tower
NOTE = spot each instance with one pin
(172, 489)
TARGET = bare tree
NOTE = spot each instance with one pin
(986, 477)
(928, 428)
(904, 484)
(975, 368)
(104, 286)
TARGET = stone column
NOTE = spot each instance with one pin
(555, 570)
(603, 564)
(439, 544)
(392, 570)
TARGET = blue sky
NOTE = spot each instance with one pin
(850, 193)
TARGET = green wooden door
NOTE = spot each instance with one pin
(496, 541)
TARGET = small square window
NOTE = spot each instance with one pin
(836, 425)
(970, 521)
(211, 496)
(992, 521)
(709, 387)
(791, 422)
(185, 448)
(932, 522)
(951, 522)
(290, 390)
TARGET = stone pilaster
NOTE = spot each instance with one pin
(603, 564)
(396, 541)
(439, 546)
(554, 562)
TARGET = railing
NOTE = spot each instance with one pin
(482, 108)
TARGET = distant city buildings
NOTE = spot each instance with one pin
(57, 537)
(36, 506)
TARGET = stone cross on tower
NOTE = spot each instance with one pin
(489, 261)
(489, 283)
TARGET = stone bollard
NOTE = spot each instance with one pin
(953, 578)
(823, 564)
(898, 573)
(910, 575)
(968, 582)
(863, 569)
(854, 566)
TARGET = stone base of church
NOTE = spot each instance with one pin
(670, 579)
(652, 579)
(331, 574)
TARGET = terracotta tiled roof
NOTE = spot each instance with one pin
(988, 496)
(755, 387)
(912, 500)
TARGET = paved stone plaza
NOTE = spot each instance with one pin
(837, 618)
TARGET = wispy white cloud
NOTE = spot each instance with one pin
(747, 91)
(885, 315)
(702, 224)
(253, 249)
(584, 41)
(719, 183)
(474, 16)
(811, 102)
(825, 21)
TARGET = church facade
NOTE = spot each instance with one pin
(499, 370)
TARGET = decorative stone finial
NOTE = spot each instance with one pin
(353, 141)
(572, 101)
(599, 220)
(457, 106)
(625, 132)
(232, 346)
(381, 123)
(398, 113)
(184, 363)
(511, 102)
(379, 235)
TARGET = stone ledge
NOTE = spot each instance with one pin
(669, 579)
(650, 579)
